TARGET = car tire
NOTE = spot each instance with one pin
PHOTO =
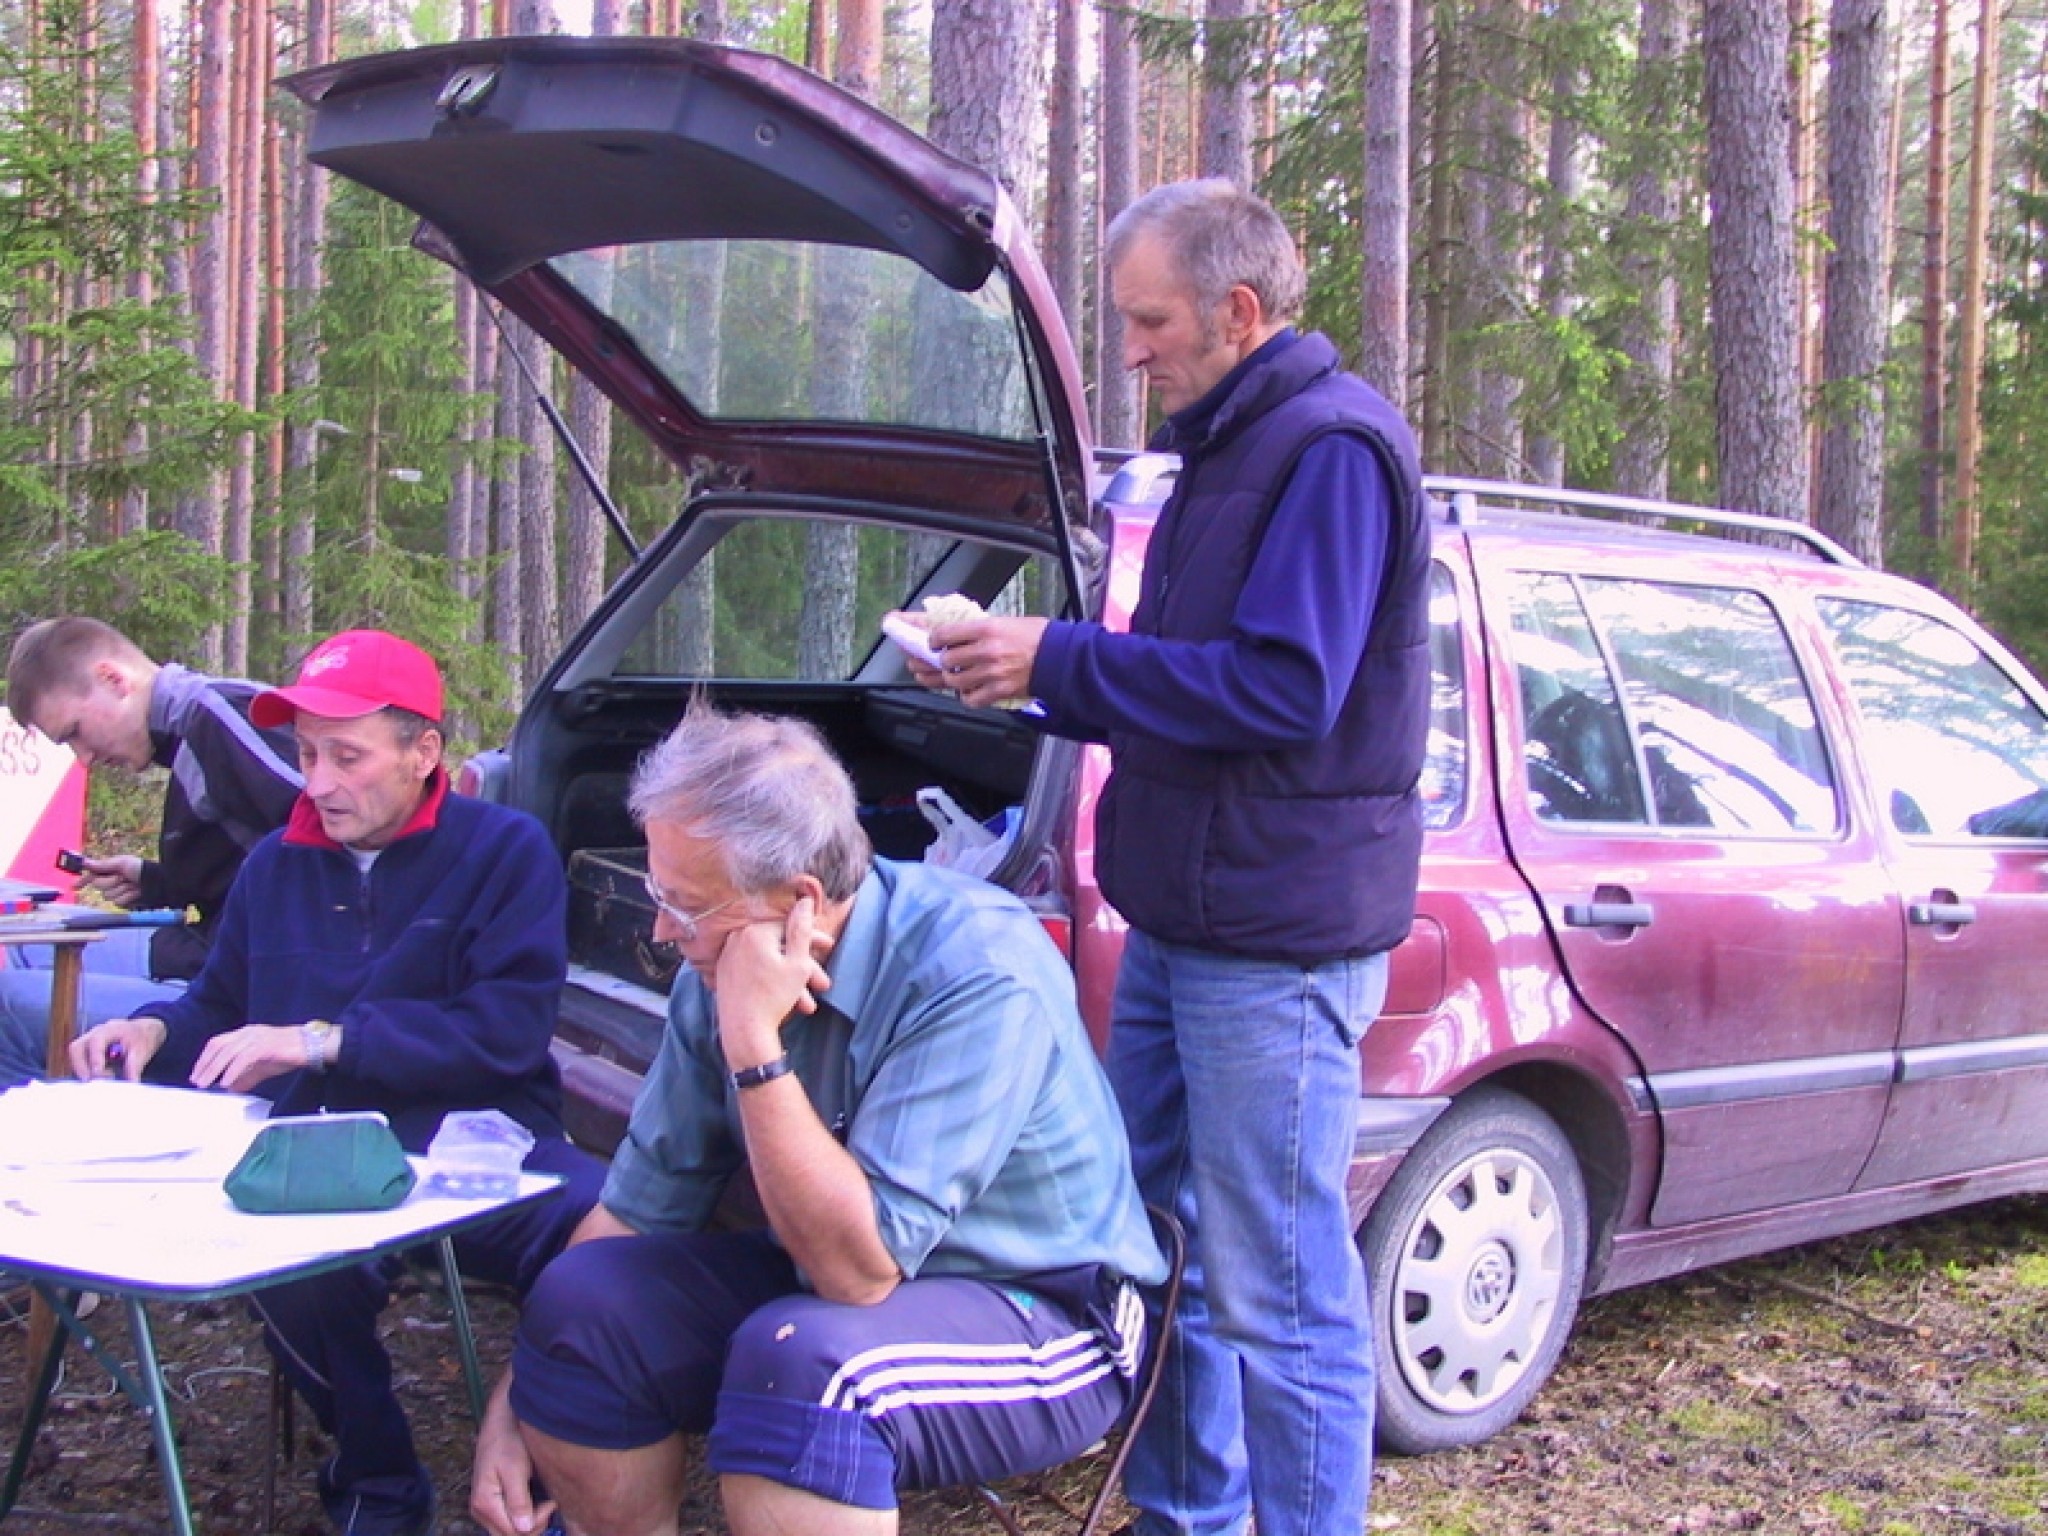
(1475, 1257)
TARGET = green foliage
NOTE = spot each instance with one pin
(117, 407)
(2013, 557)
(158, 586)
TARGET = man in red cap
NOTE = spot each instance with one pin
(395, 947)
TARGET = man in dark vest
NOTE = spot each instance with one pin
(1261, 832)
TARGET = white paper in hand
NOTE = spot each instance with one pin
(910, 638)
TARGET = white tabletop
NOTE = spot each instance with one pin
(117, 1187)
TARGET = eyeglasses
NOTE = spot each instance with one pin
(686, 921)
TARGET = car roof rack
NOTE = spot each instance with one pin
(1464, 498)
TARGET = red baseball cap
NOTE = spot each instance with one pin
(357, 673)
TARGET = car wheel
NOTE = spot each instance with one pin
(1475, 1255)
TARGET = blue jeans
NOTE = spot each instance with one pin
(1239, 1084)
(115, 981)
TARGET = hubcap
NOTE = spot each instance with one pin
(1475, 1293)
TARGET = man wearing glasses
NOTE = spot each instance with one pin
(395, 948)
(945, 1289)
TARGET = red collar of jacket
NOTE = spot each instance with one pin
(304, 829)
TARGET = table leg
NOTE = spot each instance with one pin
(66, 965)
(465, 1335)
(31, 1421)
(158, 1407)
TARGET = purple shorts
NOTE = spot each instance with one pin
(627, 1341)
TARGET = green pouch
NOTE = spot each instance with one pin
(322, 1163)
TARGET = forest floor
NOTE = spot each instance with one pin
(1890, 1384)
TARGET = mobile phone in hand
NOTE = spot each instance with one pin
(71, 861)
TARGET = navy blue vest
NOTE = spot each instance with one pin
(1310, 853)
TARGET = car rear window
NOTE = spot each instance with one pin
(738, 327)
(1668, 705)
(789, 599)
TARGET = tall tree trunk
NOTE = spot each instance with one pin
(1561, 194)
(1437, 448)
(1758, 427)
(985, 88)
(275, 344)
(302, 448)
(1064, 178)
(839, 308)
(1227, 38)
(1934, 285)
(590, 423)
(1851, 494)
(1490, 285)
(144, 99)
(1970, 313)
(1801, 70)
(1383, 236)
(201, 517)
(508, 624)
(1119, 421)
(253, 17)
(535, 550)
(703, 352)
(1650, 210)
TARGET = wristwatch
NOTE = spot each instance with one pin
(321, 1042)
(767, 1072)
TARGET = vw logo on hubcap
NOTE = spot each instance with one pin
(1489, 1283)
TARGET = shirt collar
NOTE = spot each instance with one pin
(856, 958)
(1191, 423)
(303, 829)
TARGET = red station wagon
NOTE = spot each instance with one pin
(1737, 864)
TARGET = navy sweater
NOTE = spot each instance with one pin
(443, 965)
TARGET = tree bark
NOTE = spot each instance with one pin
(1490, 285)
(986, 88)
(839, 306)
(1227, 37)
(1119, 421)
(302, 447)
(143, 102)
(1970, 313)
(1561, 196)
(1755, 342)
(1384, 259)
(590, 423)
(253, 17)
(201, 517)
(1934, 285)
(1649, 213)
(1064, 178)
(1850, 502)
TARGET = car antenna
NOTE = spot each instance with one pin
(562, 433)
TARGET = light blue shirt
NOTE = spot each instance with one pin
(950, 1059)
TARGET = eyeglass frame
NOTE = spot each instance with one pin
(688, 922)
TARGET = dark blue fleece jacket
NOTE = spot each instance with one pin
(442, 965)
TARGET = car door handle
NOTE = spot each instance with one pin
(1941, 914)
(1607, 914)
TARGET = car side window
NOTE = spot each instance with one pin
(1709, 727)
(1720, 707)
(1957, 748)
(1577, 757)
(1444, 766)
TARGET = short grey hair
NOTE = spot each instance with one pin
(767, 789)
(1219, 236)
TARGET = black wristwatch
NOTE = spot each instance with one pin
(767, 1072)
